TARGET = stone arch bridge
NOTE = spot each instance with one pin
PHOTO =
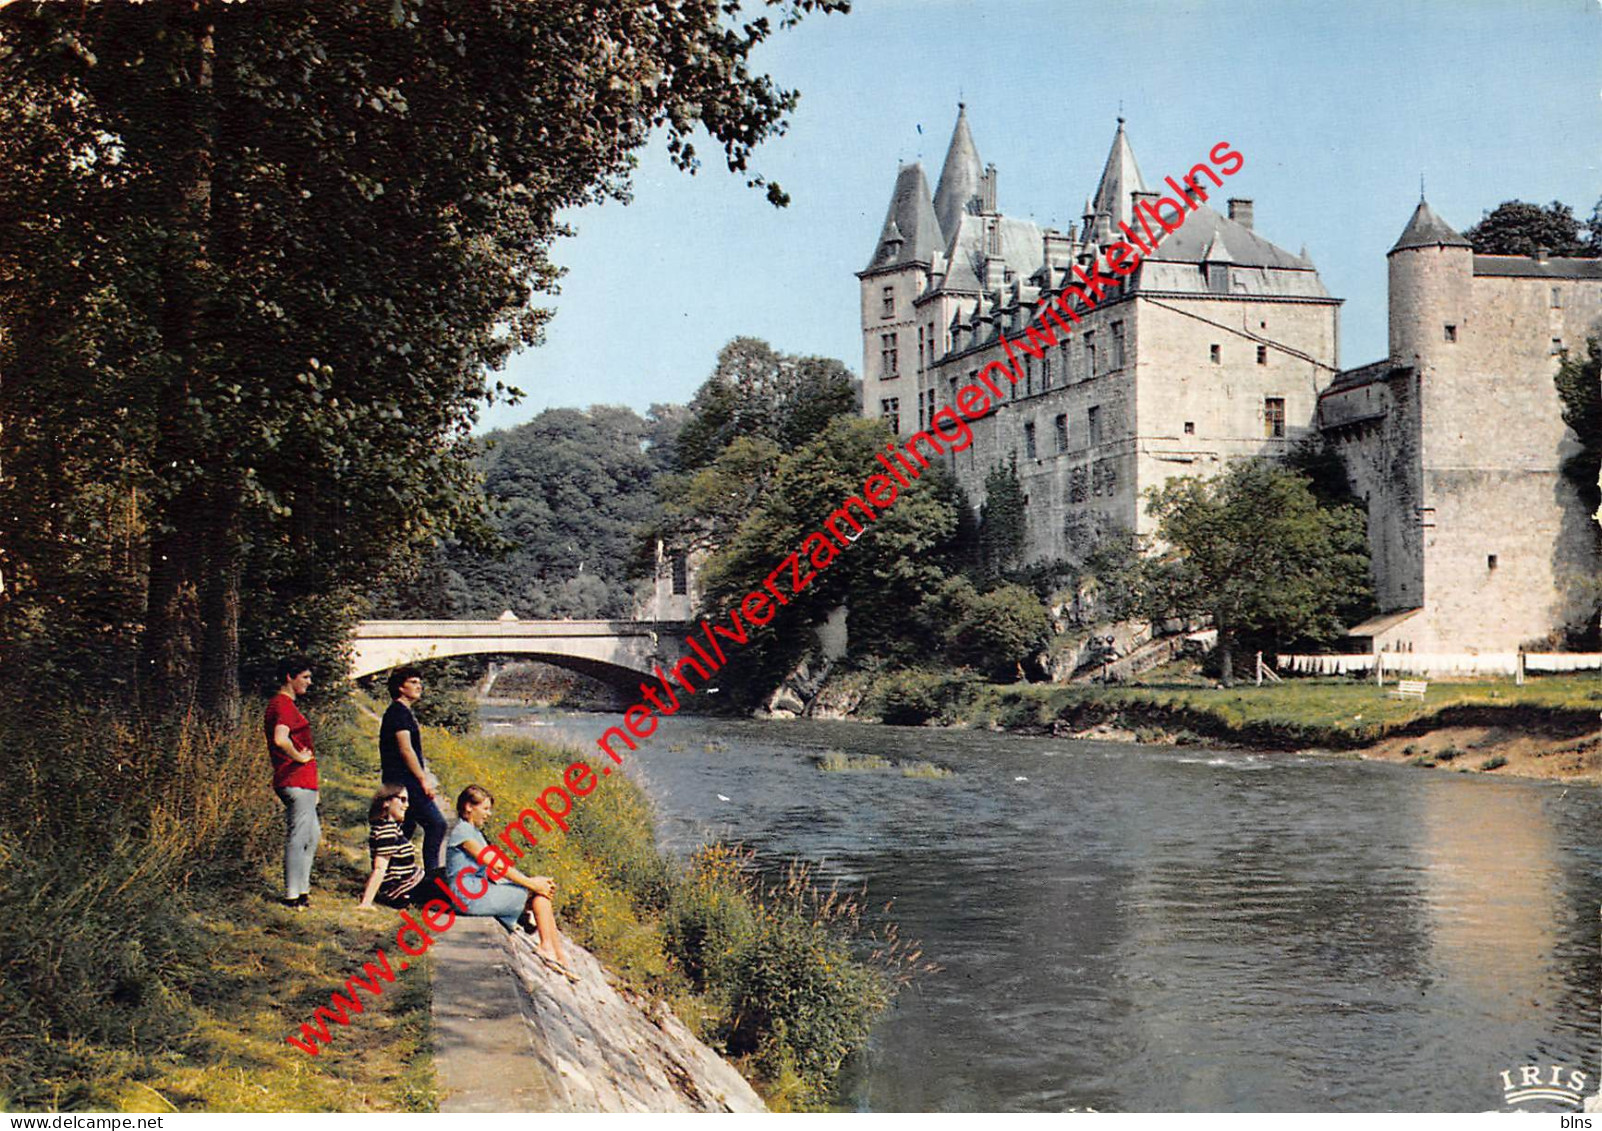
(618, 652)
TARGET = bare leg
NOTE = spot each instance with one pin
(545, 919)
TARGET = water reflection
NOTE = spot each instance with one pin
(1138, 928)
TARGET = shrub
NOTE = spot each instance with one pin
(914, 696)
(839, 762)
(449, 709)
(1495, 763)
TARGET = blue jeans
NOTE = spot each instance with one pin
(423, 811)
(302, 834)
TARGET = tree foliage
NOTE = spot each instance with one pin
(882, 578)
(993, 632)
(1253, 550)
(255, 262)
(1579, 384)
(568, 493)
(1517, 228)
(1003, 520)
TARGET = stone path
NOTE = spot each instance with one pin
(510, 1035)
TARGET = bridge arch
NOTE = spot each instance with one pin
(620, 653)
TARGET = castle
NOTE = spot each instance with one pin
(1223, 346)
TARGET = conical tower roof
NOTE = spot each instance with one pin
(1119, 178)
(910, 233)
(1426, 229)
(958, 190)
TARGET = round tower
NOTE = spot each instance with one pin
(1431, 273)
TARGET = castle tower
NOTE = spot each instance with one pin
(1431, 274)
(908, 246)
(1113, 203)
(962, 178)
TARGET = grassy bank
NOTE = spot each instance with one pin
(147, 965)
(768, 975)
(1297, 714)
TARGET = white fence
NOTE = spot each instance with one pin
(1443, 663)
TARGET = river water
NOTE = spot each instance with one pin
(1141, 928)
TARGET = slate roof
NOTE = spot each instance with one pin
(958, 190)
(1022, 251)
(910, 219)
(1120, 176)
(1426, 229)
(1550, 268)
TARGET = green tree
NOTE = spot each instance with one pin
(568, 492)
(1253, 550)
(881, 578)
(1579, 384)
(1003, 520)
(1517, 228)
(995, 632)
(256, 260)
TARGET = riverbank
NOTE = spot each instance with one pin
(149, 966)
(1546, 728)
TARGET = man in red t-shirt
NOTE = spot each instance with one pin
(289, 745)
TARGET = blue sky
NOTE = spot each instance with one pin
(1338, 109)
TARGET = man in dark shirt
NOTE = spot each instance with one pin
(400, 759)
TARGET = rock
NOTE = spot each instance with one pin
(585, 1046)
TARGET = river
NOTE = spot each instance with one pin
(1144, 928)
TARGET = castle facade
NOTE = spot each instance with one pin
(1216, 348)
(1224, 346)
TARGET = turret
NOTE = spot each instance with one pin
(961, 178)
(1431, 273)
(907, 248)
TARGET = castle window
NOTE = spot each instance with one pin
(1093, 419)
(1262, 355)
(1067, 374)
(1557, 347)
(1090, 353)
(681, 575)
(1190, 427)
(887, 355)
(890, 409)
(1118, 345)
(1490, 561)
(1557, 298)
(932, 340)
(1274, 417)
(920, 349)
(1045, 373)
(1451, 333)
(1215, 353)
(1029, 376)
(889, 310)
(1062, 432)
(1029, 440)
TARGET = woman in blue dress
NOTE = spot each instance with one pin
(513, 898)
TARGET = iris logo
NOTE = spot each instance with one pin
(1530, 1082)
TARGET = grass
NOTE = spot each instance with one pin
(148, 966)
(839, 762)
(1296, 713)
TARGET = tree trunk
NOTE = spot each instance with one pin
(1226, 658)
(223, 553)
(171, 644)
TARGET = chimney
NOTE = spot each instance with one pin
(1240, 211)
(1059, 248)
(1143, 196)
(987, 190)
(1540, 253)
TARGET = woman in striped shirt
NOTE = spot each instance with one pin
(396, 878)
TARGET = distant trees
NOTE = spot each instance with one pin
(568, 492)
(1254, 550)
(1517, 228)
(255, 262)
